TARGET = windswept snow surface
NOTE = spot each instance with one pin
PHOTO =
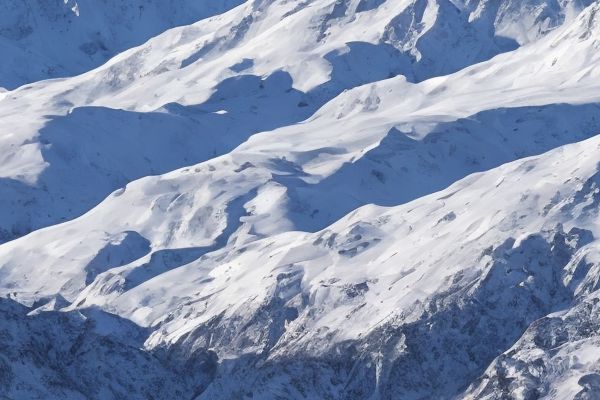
(41, 39)
(351, 199)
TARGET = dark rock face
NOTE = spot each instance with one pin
(437, 350)
(88, 355)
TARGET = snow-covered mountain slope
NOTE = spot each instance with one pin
(305, 53)
(399, 141)
(386, 302)
(83, 156)
(384, 296)
(41, 39)
(384, 237)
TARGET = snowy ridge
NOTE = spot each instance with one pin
(403, 204)
(43, 39)
(205, 68)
